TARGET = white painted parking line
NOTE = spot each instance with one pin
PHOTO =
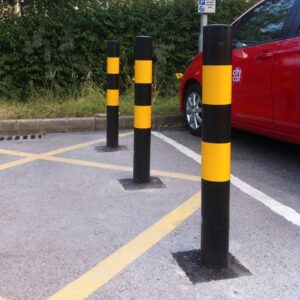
(188, 152)
(284, 211)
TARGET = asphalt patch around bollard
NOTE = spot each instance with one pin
(108, 149)
(154, 183)
(190, 262)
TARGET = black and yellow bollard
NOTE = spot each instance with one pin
(142, 109)
(112, 94)
(216, 145)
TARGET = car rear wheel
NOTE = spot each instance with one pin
(193, 109)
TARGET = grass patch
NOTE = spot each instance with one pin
(88, 102)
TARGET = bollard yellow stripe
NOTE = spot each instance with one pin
(142, 117)
(113, 65)
(217, 76)
(216, 162)
(143, 71)
(112, 98)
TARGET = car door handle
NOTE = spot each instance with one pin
(264, 55)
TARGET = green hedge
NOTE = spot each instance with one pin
(61, 45)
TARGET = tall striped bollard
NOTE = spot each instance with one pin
(142, 109)
(112, 94)
(216, 145)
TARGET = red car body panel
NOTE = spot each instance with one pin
(192, 74)
(253, 91)
(266, 88)
(286, 87)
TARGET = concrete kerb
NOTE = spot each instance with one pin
(96, 123)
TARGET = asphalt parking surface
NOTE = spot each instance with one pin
(68, 229)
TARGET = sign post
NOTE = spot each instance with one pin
(205, 7)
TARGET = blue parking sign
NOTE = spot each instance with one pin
(201, 9)
(206, 6)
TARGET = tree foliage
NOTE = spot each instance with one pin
(62, 44)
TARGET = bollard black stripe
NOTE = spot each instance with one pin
(112, 81)
(113, 49)
(217, 46)
(142, 94)
(141, 159)
(215, 223)
(143, 48)
(216, 126)
(112, 135)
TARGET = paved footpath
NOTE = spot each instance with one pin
(68, 229)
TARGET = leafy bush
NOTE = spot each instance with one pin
(61, 45)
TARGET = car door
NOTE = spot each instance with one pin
(257, 36)
(286, 80)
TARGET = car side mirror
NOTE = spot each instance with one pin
(236, 44)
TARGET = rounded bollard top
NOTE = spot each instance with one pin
(143, 47)
(113, 49)
(217, 45)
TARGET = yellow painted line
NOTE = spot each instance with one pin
(18, 163)
(175, 175)
(32, 156)
(118, 167)
(49, 156)
(78, 146)
(73, 147)
(15, 153)
(102, 273)
(86, 163)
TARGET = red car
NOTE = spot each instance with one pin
(266, 73)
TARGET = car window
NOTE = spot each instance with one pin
(263, 24)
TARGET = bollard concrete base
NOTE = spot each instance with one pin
(108, 149)
(154, 183)
(190, 262)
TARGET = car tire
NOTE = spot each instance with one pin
(192, 109)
